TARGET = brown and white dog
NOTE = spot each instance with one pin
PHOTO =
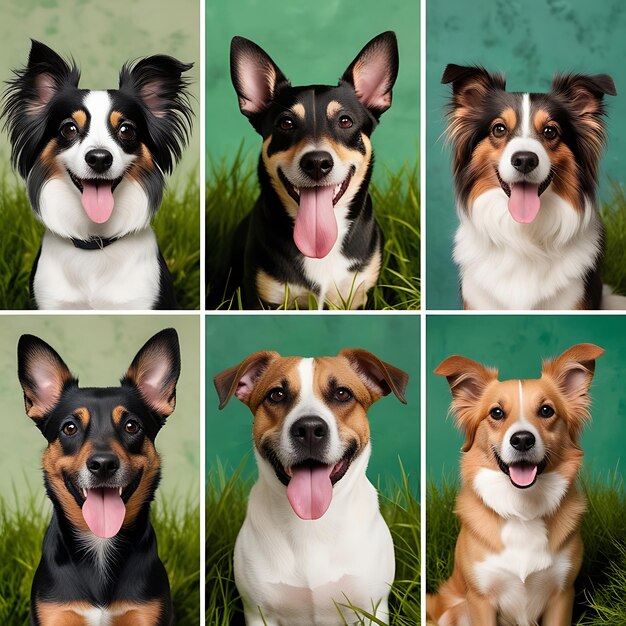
(519, 549)
(313, 537)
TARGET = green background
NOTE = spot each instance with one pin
(101, 36)
(98, 349)
(395, 427)
(516, 345)
(312, 43)
(527, 41)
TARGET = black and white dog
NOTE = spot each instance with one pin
(94, 163)
(312, 231)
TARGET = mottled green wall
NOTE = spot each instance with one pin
(528, 42)
(312, 42)
(395, 428)
(99, 349)
(101, 36)
(516, 345)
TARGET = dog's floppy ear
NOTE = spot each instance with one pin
(374, 71)
(470, 84)
(379, 377)
(42, 374)
(468, 380)
(240, 380)
(155, 370)
(255, 76)
(573, 372)
(584, 91)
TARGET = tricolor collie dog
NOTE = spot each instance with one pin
(525, 175)
(99, 563)
(519, 549)
(95, 163)
(313, 537)
(312, 231)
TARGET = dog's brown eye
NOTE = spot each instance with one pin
(499, 130)
(343, 395)
(545, 410)
(131, 427)
(286, 123)
(69, 130)
(69, 429)
(550, 132)
(127, 132)
(276, 395)
(345, 122)
(497, 413)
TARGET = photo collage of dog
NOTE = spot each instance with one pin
(313, 314)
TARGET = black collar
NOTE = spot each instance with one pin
(94, 243)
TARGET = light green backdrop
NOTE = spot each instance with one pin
(98, 349)
(312, 43)
(101, 36)
(528, 42)
(395, 427)
(516, 345)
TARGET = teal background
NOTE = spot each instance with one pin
(528, 42)
(312, 43)
(516, 345)
(98, 349)
(395, 427)
(101, 36)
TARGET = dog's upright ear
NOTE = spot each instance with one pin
(468, 380)
(374, 71)
(572, 371)
(255, 76)
(240, 380)
(154, 372)
(43, 376)
(379, 377)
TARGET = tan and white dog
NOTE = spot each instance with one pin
(519, 549)
(313, 537)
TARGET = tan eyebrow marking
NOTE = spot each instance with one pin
(80, 117)
(332, 108)
(298, 109)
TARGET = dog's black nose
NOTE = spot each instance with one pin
(524, 162)
(103, 465)
(310, 432)
(523, 441)
(99, 160)
(317, 164)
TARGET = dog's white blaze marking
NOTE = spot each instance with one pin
(526, 115)
(100, 616)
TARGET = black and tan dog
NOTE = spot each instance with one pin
(99, 562)
(312, 231)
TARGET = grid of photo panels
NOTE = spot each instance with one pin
(312, 314)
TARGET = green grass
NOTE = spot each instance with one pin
(613, 215)
(233, 190)
(22, 527)
(177, 226)
(601, 584)
(225, 511)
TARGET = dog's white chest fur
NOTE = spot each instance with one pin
(506, 265)
(124, 275)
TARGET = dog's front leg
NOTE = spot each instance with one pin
(559, 609)
(481, 611)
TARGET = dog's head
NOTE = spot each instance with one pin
(525, 143)
(100, 466)
(94, 161)
(316, 150)
(521, 432)
(310, 416)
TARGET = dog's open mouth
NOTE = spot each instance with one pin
(103, 508)
(523, 474)
(524, 197)
(315, 231)
(96, 196)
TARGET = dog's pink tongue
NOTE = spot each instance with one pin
(315, 231)
(97, 200)
(104, 512)
(524, 203)
(523, 475)
(310, 491)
